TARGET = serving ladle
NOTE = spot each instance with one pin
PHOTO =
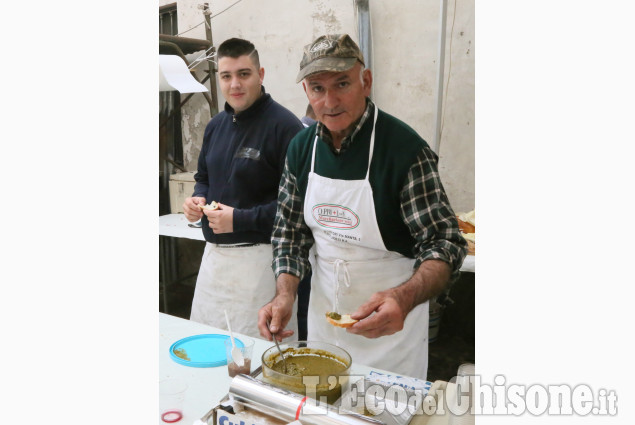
(284, 361)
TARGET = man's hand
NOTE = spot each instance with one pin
(221, 220)
(192, 208)
(279, 311)
(389, 315)
(393, 305)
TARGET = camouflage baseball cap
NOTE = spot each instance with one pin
(332, 52)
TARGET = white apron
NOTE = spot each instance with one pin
(239, 280)
(351, 263)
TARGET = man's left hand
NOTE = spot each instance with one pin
(393, 305)
(221, 220)
(388, 319)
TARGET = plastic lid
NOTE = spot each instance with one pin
(205, 350)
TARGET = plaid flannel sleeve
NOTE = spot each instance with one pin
(427, 212)
(291, 238)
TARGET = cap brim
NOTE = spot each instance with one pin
(326, 65)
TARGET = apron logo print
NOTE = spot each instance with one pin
(335, 216)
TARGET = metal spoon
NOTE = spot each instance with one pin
(284, 361)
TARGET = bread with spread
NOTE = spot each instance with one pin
(212, 206)
(467, 226)
(340, 320)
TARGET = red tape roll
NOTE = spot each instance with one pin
(171, 416)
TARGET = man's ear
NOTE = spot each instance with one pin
(261, 73)
(367, 81)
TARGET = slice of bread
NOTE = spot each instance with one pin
(466, 227)
(469, 217)
(212, 206)
(344, 321)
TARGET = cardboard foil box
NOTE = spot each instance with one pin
(181, 187)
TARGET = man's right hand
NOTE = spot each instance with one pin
(277, 313)
(192, 208)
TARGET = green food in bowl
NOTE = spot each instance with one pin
(308, 359)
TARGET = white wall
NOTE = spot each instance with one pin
(405, 50)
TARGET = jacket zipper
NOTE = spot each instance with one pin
(231, 164)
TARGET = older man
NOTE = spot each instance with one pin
(363, 189)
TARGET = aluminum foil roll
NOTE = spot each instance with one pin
(283, 404)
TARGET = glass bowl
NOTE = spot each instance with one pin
(320, 367)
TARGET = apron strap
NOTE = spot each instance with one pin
(372, 142)
(314, 145)
(337, 265)
(370, 151)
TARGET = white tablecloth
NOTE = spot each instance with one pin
(208, 386)
(469, 264)
(176, 225)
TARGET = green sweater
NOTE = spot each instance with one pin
(412, 209)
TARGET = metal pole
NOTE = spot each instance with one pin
(364, 34)
(441, 67)
(212, 70)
